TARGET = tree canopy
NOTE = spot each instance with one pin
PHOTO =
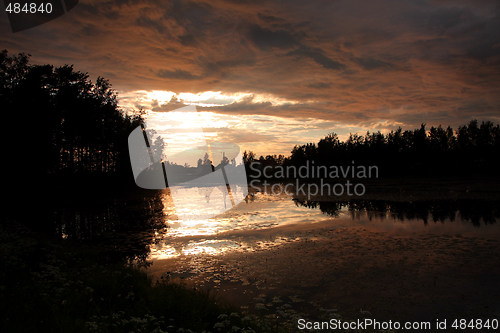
(57, 121)
(471, 149)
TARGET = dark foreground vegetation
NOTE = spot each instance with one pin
(47, 287)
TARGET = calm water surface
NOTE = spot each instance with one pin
(289, 258)
(273, 253)
(282, 217)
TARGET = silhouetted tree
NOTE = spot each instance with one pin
(60, 122)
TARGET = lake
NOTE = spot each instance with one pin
(290, 259)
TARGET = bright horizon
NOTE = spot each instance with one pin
(262, 134)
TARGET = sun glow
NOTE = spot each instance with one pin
(260, 132)
(161, 96)
(186, 120)
(158, 100)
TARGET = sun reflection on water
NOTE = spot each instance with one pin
(163, 252)
(212, 236)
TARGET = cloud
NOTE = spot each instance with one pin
(241, 136)
(177, 74)
(318, 57)
(266, 39)
(369, 63)
(356, 63)
(150, 23)
(319, 85)
(173, 104)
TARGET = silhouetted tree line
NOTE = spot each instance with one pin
(56, 121)
(473, 148)
(250, 158)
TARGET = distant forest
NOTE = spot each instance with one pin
(472, 149)
(58, 122)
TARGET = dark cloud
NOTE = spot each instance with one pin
(266, 39)
(91, 30)
(177, 74)
(319, 85)
(91, 9)
(112, 15)
(270, 18)
(149, 23)
(221, 68)
(438, 21)
(371, 63)
(188, 39)
(317, 55)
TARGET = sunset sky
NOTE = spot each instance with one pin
(272, 74)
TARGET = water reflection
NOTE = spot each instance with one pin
(121, 225)
(310, 253)
(242, 228)
(146, 224)
(476, 212)
(196, 203)
(319, 251)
